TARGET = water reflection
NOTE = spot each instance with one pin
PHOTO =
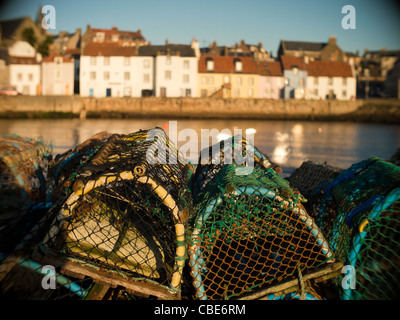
(288, 143)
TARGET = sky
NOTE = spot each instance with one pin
(228, 21)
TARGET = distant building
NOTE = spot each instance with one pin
(65, 41)
(241, 49)
(325, 51)
(109, 70)
(13, 30)
(330, 80)
(113, 35)
(4, 67)
(295, 77)
(24, 68)
(57, 75)
(175, 69)
(271, 81)
(228, 77)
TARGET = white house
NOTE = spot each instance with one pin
(24, 68)
(57, 75)
(330, 79)
(109, 70)
(175, 69)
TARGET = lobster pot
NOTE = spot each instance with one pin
(360, 218)
(64, 168)
(235, 150)
(126, 216)
(23, 171)
(250, 232)
(23, 174)
(310, 180)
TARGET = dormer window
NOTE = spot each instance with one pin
(58, 60)
(295, 70)
(210, 64)
(238, 65)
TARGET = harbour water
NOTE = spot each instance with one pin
(287, 143)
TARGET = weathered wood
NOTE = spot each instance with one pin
(97, 292)
(111, 279)
(319, 275)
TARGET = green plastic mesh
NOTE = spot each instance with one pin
(353, 199)
(250, 231)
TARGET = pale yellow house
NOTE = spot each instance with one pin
(227, 77)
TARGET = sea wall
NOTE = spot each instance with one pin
(381, 109)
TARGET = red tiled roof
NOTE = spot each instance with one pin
(22, 60)
(226, 64)
(108, 49)
(270, 69)
(51, 58)
(288, 62)
(329, 69)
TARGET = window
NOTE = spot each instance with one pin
(203, 93)
(210, 65)
(114, 37)
(295, 71)
(163, 92)
(106, 61)
(106, 75)
(210, 80)
(146, 64)
(239, 81)
(168, 61)
(238, 66)
(186, 64)
(185, 78)
(92, 61)
(30, 77)
(168, 75)
(251, 81)
(127, 76)
(316, 80)
(330, 81)
(344, 93)
(287, 82)
(57, 74)
(146, 78)
(203, 80)
(100, 36)
(19, 76)
(250, 92)
(226, 79)
(301, 82)
(58, 60)
(92, 75)
(344, 81)
(236, 92)
(188, 92)
(316, 92)
(127, 61)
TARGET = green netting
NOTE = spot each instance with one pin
(351, 200)
(250, 231)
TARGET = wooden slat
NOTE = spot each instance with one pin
(103, 277)
(325, 273)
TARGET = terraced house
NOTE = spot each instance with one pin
(227, 77)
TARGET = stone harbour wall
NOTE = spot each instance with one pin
(378, 109)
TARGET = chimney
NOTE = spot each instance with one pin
(332, 40)
(225, 51)
(166, 42)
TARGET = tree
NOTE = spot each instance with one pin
(43, 48)
(29, 35)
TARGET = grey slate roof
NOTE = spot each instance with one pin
(303, 45)
(184, 50)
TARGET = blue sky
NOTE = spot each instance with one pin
(228, 21)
